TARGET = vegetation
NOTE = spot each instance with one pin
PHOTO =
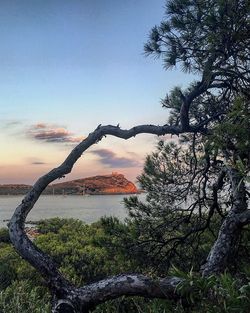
(196, 216)
(188, 192)
(91, 252)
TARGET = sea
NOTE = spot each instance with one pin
(88, 208)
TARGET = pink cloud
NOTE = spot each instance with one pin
(52, 133)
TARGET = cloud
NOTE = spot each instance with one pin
(34, 161)
(41, 125)
(11, 126)
(52, 133)
(12, 123)
(109, 158)
(38, 163)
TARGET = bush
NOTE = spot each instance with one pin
(85, 253)
(23, 297)
(4, 235)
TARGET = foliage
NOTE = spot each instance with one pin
(4, 235)
(13, 267)
(136, 305)
(176, 214)
(88, 252)
(53, 225)
(82, 252)
(195, 33)
(189, 192)
(214, 293)
(232, 137)
(189, 182)
(24, 297)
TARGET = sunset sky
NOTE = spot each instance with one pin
(68, 66)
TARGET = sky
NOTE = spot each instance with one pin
(68, 66)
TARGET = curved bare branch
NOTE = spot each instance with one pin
(125, 285)
(60, 287)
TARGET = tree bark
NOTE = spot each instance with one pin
(88, 297)
(226, 246)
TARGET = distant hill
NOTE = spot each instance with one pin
(14, 189)
(98, 185)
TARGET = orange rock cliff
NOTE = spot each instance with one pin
(101, 184)
(114, 183)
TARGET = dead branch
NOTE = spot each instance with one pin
(65, 294)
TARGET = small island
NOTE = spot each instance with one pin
(112, 184)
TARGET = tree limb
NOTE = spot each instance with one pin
(129, 285)
(60, 287)
(88, 297)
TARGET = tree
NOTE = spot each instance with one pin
(211, 40)
(190, 192)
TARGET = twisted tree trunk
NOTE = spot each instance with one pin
(226, 246)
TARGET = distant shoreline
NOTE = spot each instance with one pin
(113, 184)
(77, 194)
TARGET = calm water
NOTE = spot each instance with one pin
(86, 208)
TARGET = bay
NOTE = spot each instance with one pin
(86, 208)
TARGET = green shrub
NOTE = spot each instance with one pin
(4, 235)
(86, 253)
(23, 297)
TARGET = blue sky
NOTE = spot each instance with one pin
(69, 66)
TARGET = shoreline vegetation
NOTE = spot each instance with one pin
(86, 253)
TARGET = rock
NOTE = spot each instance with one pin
(114, 183)
(101, 184)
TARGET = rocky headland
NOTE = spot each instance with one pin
(114, 183)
